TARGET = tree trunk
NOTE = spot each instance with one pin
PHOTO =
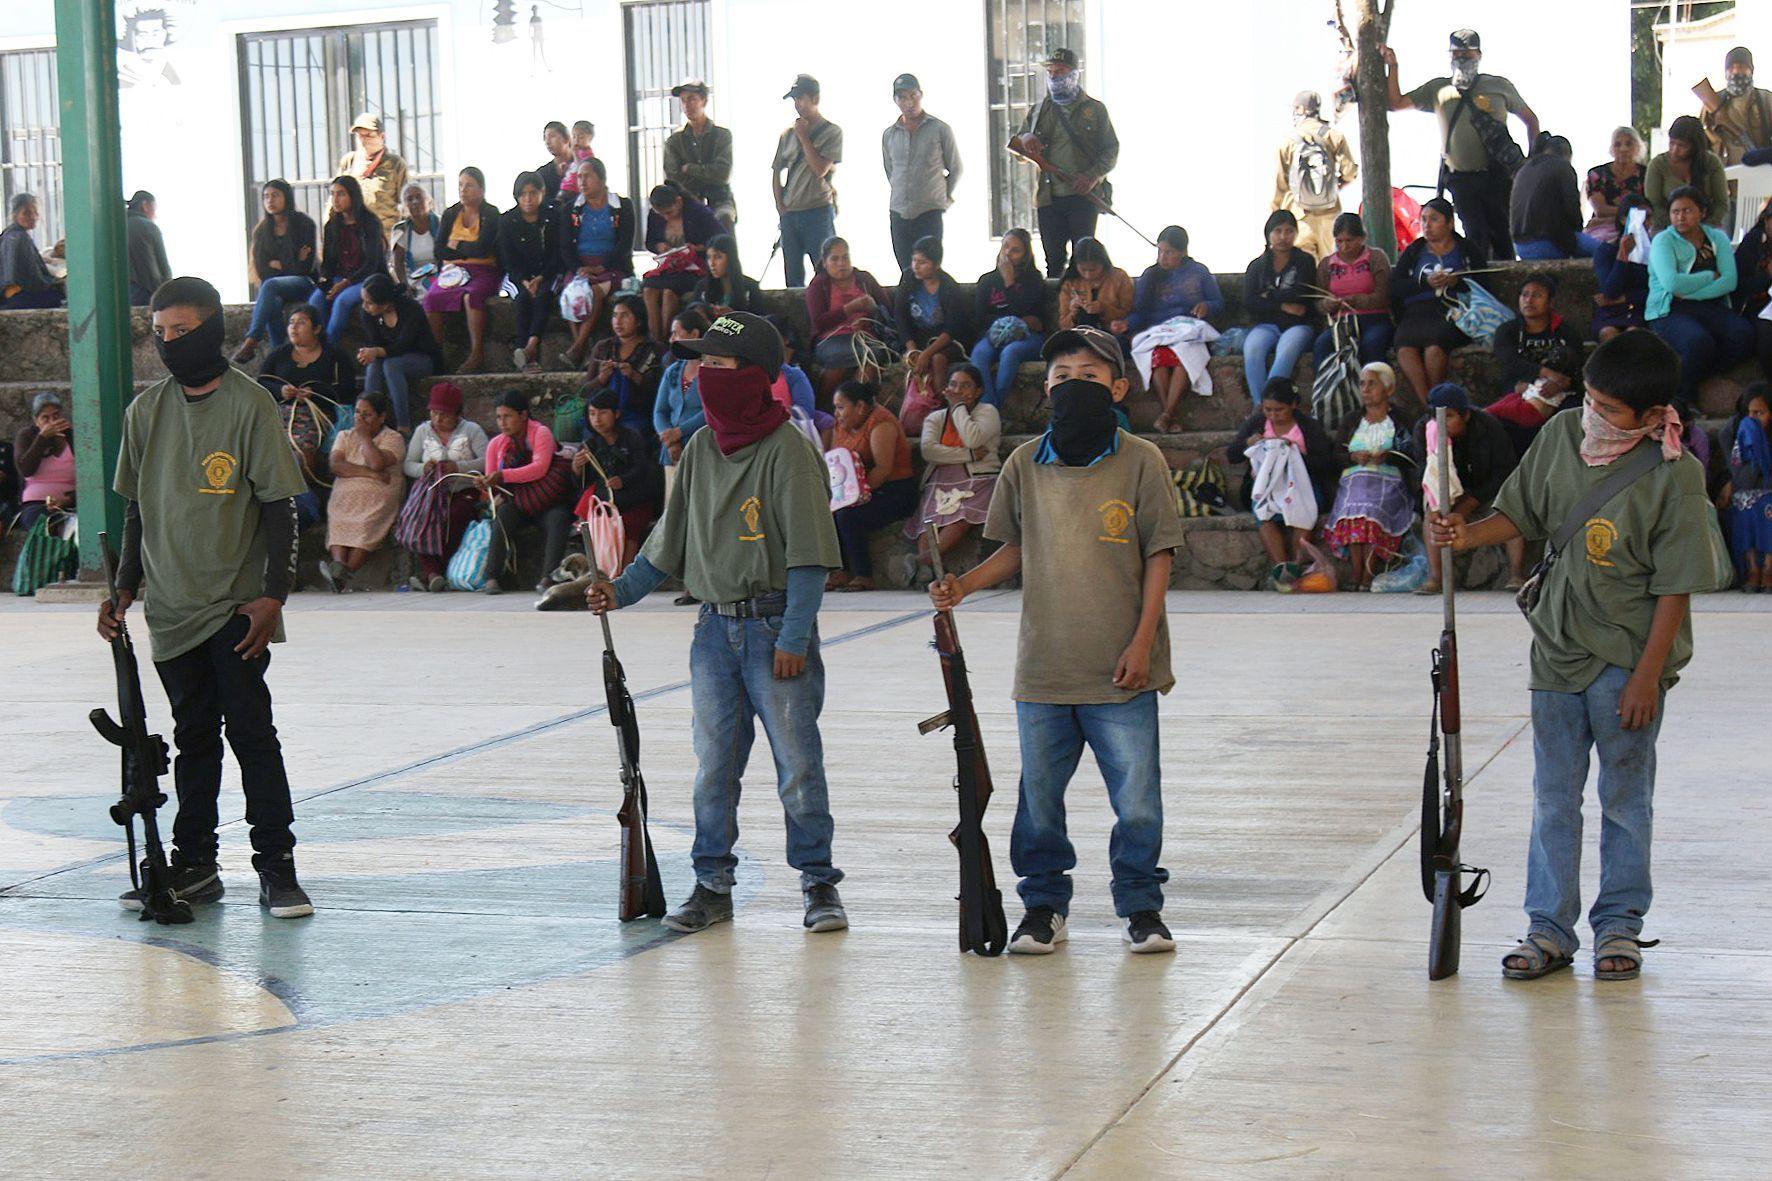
(1372, 26)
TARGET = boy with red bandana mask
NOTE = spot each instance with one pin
(748, 528)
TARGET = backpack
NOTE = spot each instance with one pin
(1312, 175)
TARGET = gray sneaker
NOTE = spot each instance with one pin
(190, 883)
(703, 909)
(824, 909)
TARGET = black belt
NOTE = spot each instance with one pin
(756, 607)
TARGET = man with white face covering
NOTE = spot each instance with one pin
(1479, 183)
(1742, 120)
(1077, 138)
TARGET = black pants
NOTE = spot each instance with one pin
(1481, 200)
(1066, 219)
(555, 523)
(209, 686)
(906, 231)
(532, 314)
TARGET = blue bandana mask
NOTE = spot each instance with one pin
(1064, 88)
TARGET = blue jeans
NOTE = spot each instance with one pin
(274, 297)
(1540, 249)
(343, 307)
(999, 365)
(1124, 739)
(803, 233)
(394, 376)
(1266, 342)
(1709, 337)
(732, 684)
(307, 509)
(1376, 334)
(1565, 726)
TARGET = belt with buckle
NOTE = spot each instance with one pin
(756, 607)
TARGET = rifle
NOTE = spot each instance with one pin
(983, 929)
(144, 759)
(642, 893)
(1442, 812)
(1032, 148)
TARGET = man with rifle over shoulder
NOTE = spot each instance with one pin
(1630, 537)
(1086, 515)
(210, 528)
(748, 528)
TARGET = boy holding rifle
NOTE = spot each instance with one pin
(749, 530)
(1610, 633)
(209, 525)
(1087, 517)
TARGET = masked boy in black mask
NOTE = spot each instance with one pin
(1087, 517)
(209, 526)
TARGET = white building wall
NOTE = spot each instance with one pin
(1199, 91)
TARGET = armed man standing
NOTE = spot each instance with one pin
(210, 535)
(1077, 139)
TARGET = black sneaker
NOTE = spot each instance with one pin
(278, 891)
(200, 882)
(702, 910)
(1145, 933)
(824, 909)
(1042, 929)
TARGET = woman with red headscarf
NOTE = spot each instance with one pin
(440, 506)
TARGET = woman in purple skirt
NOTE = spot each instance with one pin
(1372, 507)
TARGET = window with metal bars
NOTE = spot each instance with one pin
(1019, 36)
(300, 91)
(30, 138)
(667, 42)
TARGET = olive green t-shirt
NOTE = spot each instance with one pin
(802, 188)
(1657, 537)
(199, 471)
(1492, 94)
(735, 524)
(1085, 534)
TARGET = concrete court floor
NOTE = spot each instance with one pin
(465, 1004)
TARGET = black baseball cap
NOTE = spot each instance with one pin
(1466, 39)
(1102, 344)
(690, 86)
(803, 84)
(905, 82)
(750, 338)
(1063, 57)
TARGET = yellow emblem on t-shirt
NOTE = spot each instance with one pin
(752, 511)
(1483, 104)
(1116, 518)
(218, 471)
(1602, 535)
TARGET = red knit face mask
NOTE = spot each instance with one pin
(739, 406)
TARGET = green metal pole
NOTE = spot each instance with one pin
(98, 259)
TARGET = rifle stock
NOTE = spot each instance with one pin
(144, 758)
(641, 890)
(983, 928)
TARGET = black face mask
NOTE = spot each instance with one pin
(1083, 422)
(195, 359)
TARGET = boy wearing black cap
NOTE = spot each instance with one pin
(698, 155)
(805, 158)
(1610, 633)
(1482, 457)
(1086, 516)
(1479, 183)
(922, 168)
(748, 529)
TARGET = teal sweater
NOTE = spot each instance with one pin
(1670, 271)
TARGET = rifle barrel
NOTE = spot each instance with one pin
(1448, 573)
